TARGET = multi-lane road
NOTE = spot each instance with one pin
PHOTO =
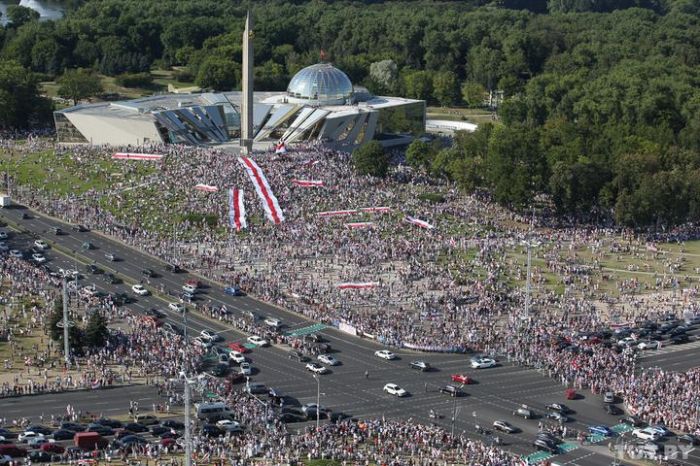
(497, 393)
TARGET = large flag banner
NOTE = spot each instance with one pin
(206, 188)
(420, 223)
(236, 209)
(381, 210)
(135, 156)
(338, 213)
(357, 286)
(262, 188)
(308, 183)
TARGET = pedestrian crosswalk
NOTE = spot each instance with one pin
(568, 446)
(621, 428)
(596, 438)
(300, 332)
(537, 457)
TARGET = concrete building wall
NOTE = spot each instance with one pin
(115, 131)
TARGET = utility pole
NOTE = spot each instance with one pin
(188, 430)
(318, 401)
(454, 416)
(528, 281)
(65, 323)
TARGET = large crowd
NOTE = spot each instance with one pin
(440, 289)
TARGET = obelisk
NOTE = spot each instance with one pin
(247, 104)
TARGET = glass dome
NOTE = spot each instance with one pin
(321, 84)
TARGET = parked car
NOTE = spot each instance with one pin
(316, 368)
(451, 390)
(612, 409)
(257, 341)
(505, 426)
(419, 365)
(393, 389)
(385, 354)
(646, 434)
(233, 291)
(601, 430)
(483, 363)
(524, 412)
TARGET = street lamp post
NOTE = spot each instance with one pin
(188, 430)
(318, 401)
(65, 324)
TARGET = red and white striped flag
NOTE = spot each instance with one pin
(337, 213)
(262, 188)
(309, 163)
(652, 247)
(308, 183)
(357, 286)
(381, 210)
(236, 209)
(206, 188)
(280, 148)
(420, 223)
(359, 224)
(135, 156)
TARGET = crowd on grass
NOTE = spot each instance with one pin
(447, 288)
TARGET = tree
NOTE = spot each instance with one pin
(19, 15)
(370, 159)
(384, 74)
(56, 332)
(96, 331)
(473, 94)
(419, 154)
(78, 84)
(445, 87)
(20, 102)
(418, 84)
(217, 73)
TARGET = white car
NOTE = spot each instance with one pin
(36, 442)
(210, 335)
(139, 290)
(272, 322)
(648, 345)
(245, 368)
(483, 363)
(393, 389)
(177, 307)
(257, 341)
(646, 434)
(25, 437)
(41, 244)
(662, 431)
(187, 288)
(385, 354)
(203, 342)
(316, 368)
(328, 359)
(236, 357)
(229, 425)
(16, 253)
(38, 258)
(3, 235)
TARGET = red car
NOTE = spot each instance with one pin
(53, 448)
(237, 347)
(194, 283)
(461, 378)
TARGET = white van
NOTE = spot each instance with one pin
(212, 411)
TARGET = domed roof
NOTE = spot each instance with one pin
(321, 84)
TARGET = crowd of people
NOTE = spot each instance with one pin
(447, 288)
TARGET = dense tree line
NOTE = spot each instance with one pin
(602, 100)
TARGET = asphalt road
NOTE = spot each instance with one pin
(496, 394)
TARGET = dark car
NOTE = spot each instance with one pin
(157, 430)
(451, 390)
(56, 231)
(79, 228)
(613, 410)
(336, 416)
(689, 439)
(420, 365)
(172, 328)
(680, 339)
(123, 433)
(148, 273)
(39, 429)
(132, 439)
(63, 434)
(12, 450)
(113, 423)
(93, 269)
(549, 438)
(220, 370)
(314, 338)
(111, 278)
(25, 216)
(173, 268)
(558, 407)
(136, 427)
(233, 291)
(156, 313)
(543, 445)
(633, 421)
(173, 424)
(39, 456)
(295, 355)
(74, 426)
(292, 417)
(104, 431)
(120, 299)
(7, 433)
(210, 430)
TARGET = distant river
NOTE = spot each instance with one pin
(46, 8)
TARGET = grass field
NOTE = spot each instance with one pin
(472, 115)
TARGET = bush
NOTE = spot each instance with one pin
(435, 198)
(184, 76)
(134, 79)
(370, 159)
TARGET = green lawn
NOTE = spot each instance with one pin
(472, 115)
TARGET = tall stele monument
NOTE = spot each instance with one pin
(247, 104)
